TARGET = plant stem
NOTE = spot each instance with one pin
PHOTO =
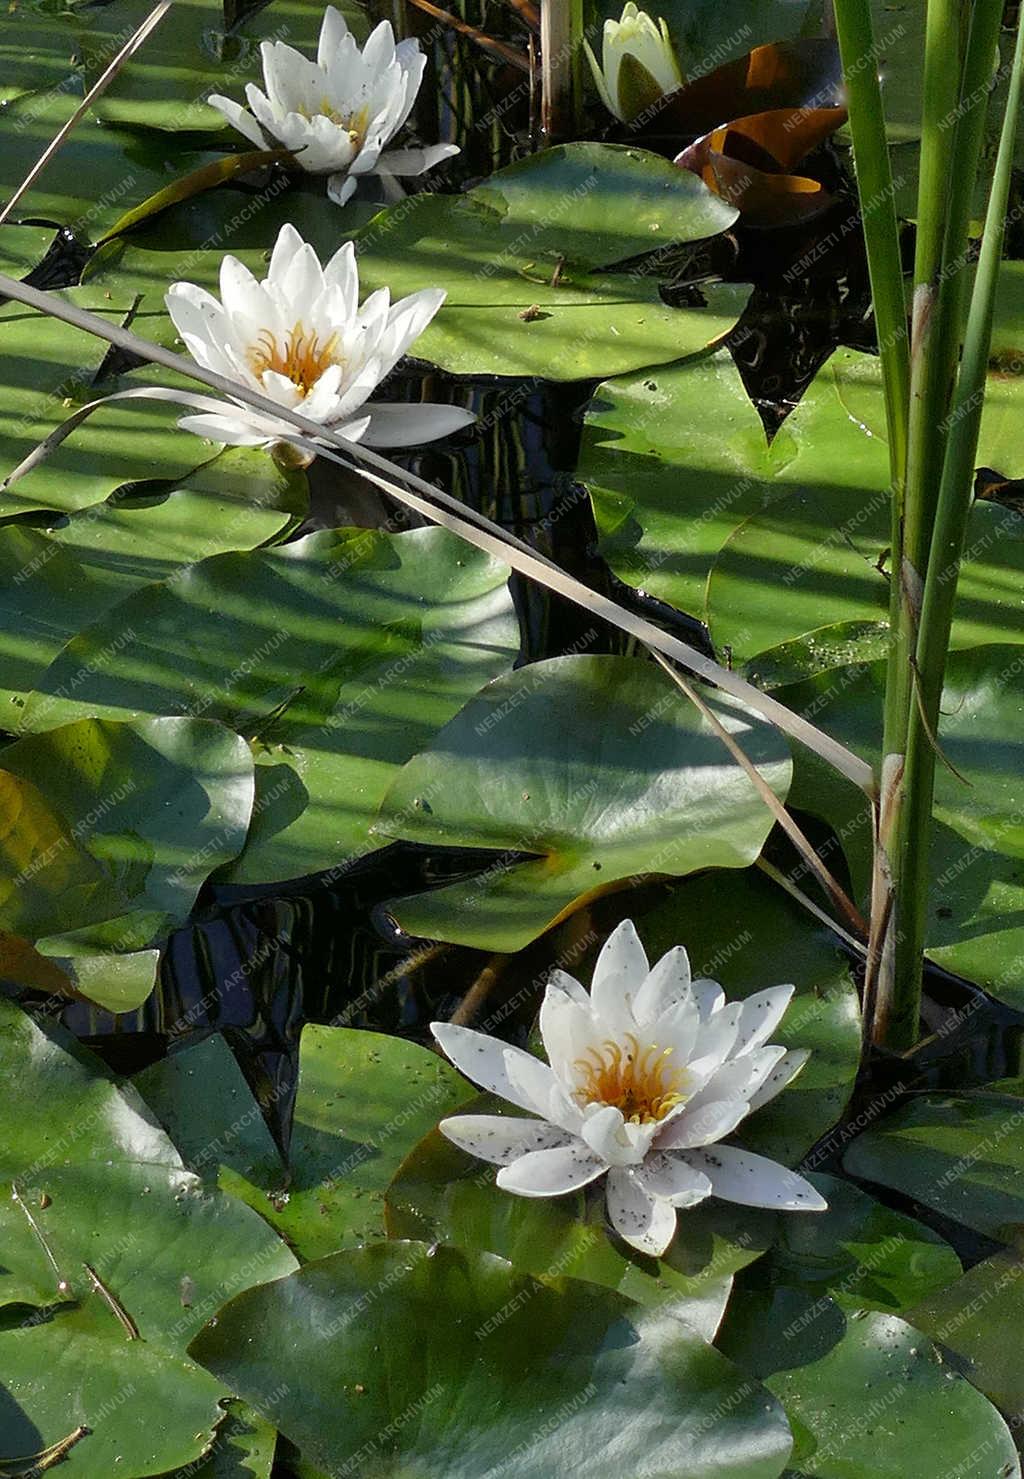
(953, 508)
(561, 54)
(881, 237)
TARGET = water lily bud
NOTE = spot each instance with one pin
(638, 63)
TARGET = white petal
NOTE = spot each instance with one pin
(239, 118)
(500, 1140)
(379, 48)
(226, 429)
(333, 31)
(288, 243)
(647, 1223)
(666, 984)
(341, 187)
(566, 1027)
(410, 425)
(606, 1132)
(709, 997)
(716, 1039)
(342, 274)
(408, 162)
(753, 1180)
(761, 1014)
(620, 971)
(739, 1078)
(489, 1063)
(669, 1177)
(704, 1125)
(774, 1083)
(551, 1173)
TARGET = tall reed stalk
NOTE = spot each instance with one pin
(933, 435)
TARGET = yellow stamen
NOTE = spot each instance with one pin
(302, 358)
(355, 123)
(638, 1081)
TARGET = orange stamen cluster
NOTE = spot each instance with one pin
(302, 358)
(638, 1081)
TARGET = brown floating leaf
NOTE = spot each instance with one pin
(22, 965)
(747, 162)
(764, 199)
(803, 74)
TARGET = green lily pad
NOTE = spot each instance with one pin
(114, 827)
(436, 1361)
(98, 173)
(781, 548)
(189, 56)
(512, 309)
(961, 1156)
(440, 1194)
(600, 768)
(23, 247)
(47, 373)
(677, 458)
(243, 1448)
(977, 894)
(36, 55)
(743, 931)
(858, 1254)
(54, 584)
(190, 240)
(202, 1099)
(328, 652)
(868, 1396)
(978, 1318)
(363, 1101)
(595, 204)
(100, 1187)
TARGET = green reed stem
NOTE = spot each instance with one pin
(953, 507)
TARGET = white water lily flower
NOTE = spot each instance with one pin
(647, 1074)
(638, 63)
(301, 338)
(336, 114)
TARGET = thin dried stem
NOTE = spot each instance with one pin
(101, 84)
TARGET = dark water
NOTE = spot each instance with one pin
(255, 965)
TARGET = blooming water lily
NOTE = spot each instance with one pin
(337, 114)
(301, 338)
(638, 63)
(646, 1075)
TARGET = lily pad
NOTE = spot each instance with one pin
(440, 1194)
(327, 652)
(785, 544)
(52, 584)
(961, 1156)
(100, 170)
(977, 895)
(437, 1361)
(113, 827)
(363, 1101)
(202, 1099)
(870, 1397)
(48, 371)
(978, 1319)
(518, 303)
(677, 458)
(858, 1255)
(743, 931)
(114, 1234)
(595, 204)
(190, 55)
(596, 767)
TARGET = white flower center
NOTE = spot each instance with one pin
(355, 124)
(302, 358)
(641, 1082)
